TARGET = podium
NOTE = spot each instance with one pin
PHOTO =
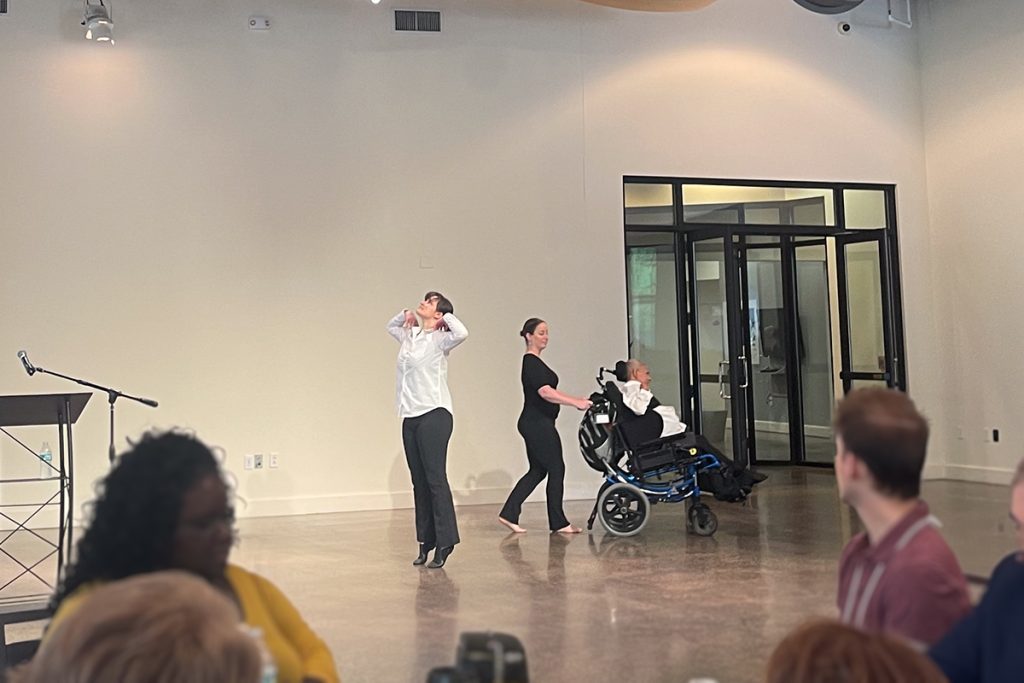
(62, 411)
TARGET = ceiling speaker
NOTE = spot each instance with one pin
(829, 6)
(654, 5)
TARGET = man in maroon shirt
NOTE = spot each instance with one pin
(899, 576)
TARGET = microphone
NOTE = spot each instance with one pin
(29, 368)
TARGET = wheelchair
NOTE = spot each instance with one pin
(640, 471)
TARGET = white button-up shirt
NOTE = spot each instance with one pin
(422, 382)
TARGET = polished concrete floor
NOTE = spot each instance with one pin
(658, 607)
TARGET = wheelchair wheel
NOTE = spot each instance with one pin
(623, 509)
(701, 520)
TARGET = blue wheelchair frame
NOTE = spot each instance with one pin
(601, 430)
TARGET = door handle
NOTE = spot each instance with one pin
(746, 373)
(721, 379)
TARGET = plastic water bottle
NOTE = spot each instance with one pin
(269, 666)
(45, 458)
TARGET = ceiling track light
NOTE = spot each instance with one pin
(99, 25)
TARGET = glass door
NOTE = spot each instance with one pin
(865, 311)
(720, 343)
(652, 286)
(764, 276)
(814, 350)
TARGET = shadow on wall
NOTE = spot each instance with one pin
(484, 488)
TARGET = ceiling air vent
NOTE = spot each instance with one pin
(417, 20)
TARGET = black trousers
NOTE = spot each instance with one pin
(426, 450)
(544, 452)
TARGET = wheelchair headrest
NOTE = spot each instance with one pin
(621, 371)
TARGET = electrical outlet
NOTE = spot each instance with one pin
(249, 462)
(274, 461)
(258, 461)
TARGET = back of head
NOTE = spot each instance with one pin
(163, 627)
(883, 429)
(530, 326)
(627, 369)
(831, 652)
(135, 514)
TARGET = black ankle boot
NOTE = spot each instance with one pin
(422, 557)
(441, 556)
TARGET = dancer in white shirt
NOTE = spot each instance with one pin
(425, 406)
(636, 394)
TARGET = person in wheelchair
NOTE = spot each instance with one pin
(650, 425)
(637, 396)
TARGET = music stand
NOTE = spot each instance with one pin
(62, 410)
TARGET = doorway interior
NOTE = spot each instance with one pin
(757, 304)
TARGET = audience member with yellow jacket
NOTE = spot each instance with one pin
(165, 506)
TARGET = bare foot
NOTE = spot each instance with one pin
(514, 527)
(569, 530)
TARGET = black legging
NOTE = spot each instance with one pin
(544, 452)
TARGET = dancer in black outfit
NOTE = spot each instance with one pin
(537, 427)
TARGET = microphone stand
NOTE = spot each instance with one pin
(112, 395)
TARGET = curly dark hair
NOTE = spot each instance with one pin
(135, 514)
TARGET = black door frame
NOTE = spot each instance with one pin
(688, 233)
(846, 373)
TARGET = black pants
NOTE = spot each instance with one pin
(544, 452)
(426, 450)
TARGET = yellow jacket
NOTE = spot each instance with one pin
(297, 650)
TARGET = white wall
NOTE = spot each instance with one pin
(224, 220)
(971, 54)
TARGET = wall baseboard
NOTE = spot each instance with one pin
(980, 475)
(355, 502)
(818, 431)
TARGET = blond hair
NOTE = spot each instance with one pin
(163, 627)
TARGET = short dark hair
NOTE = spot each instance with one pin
(883, 429)
(443, 304)
(529, 327)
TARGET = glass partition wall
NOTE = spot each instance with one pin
(757, 304)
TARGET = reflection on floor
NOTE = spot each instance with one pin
(663, 606)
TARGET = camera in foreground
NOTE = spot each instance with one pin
(484, 658)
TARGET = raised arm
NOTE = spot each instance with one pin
(455, 334)
(635, 397)
(397, 325)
